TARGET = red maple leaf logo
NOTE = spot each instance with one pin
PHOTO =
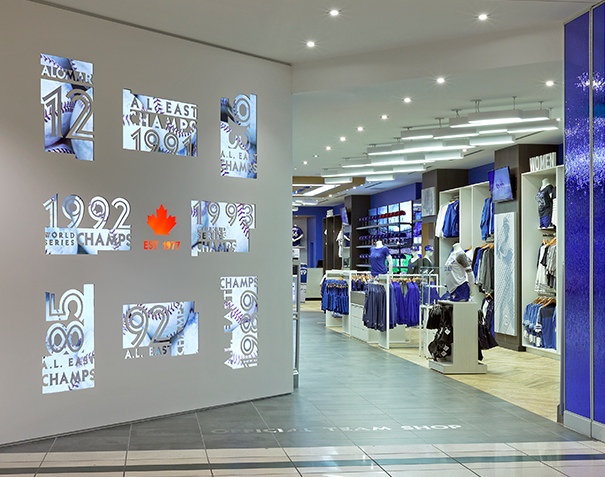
(161, 223)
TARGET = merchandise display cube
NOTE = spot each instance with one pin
(465, 346)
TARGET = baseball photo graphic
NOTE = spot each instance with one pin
(66, 94)
(152, 124)
(159, 329)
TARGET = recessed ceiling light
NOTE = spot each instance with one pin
(305, 162)
(407, 100)
(482, 17)
(343, 139)
(384, 116)
(310, 44)
(328, 148)
(334, 12)
(315, 155)
(550, 83)
(441, 80)
(360, 128)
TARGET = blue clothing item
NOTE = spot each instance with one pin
(545, 221)
(451, 223)
(548, 319)
(487, 219)
(375, 307)
(399, 319)
(412, 305)
(378, 257)
(460, 293)
(392, 305)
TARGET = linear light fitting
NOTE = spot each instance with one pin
(319, 190)
(379, 150)
(397, 160)
(536, 115)
(412, 135)
(355, 163)
(380, 178)
(549, 125)
(338, 180)
(408, 168)
(443, 156)
(430, 146)
(495, 117)
(491, 130)
(452, 133)
(491, 140)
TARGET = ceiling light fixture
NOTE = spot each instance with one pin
(360, 128)
(310, 44)
(380, 178)
(412, 135)
(482, 17)
(384, 116)
(319, 190)
(549, 125)
(441, 80)
(407, 100)
(338, 180)
(334, 12)
(550, 83)
(491, 140)
(343, 138)
(328, 148)
(305, 162)
(495, 118)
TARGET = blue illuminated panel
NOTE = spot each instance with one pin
(577, 217)
(599, 211)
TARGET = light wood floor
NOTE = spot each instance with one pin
(528, 380)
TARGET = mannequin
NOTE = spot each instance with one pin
(458, 275)
(544, 197)
(380, 259)
(340, 239)
(297, 235)
(416, 261)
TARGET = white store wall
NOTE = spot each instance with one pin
(155, 65)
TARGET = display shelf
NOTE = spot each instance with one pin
(533, 237)
(471, 201)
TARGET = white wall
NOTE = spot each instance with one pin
(166, 67)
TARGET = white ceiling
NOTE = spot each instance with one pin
(374, 54)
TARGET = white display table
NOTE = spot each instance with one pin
(463, 359)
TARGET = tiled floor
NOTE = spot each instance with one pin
(357, 412)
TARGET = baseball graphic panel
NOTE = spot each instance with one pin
(240, 297)
(66, 93)
(103, 235)
(221, 226)
(152, 124)
(505, 301)
(159, 329)
(69, 362)
(238, 137)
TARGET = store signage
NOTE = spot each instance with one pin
(159, 329)
(162, 224)
(221, 226)
(238, 137)
(69, 364)
(152, 124)
(240, 297)
(73, 239)
(66, 92)
(545, 161)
